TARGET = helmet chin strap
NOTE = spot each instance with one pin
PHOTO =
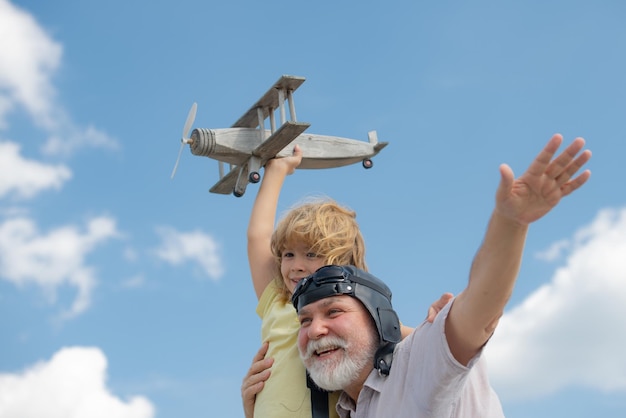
(383, 358)
(319, 399)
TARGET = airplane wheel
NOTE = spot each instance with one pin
(254, 177)
(237, 194)
(367, 163)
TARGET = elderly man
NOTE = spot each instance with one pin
(349, 337)
(349, 329)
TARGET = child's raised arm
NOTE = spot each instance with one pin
(261, 226)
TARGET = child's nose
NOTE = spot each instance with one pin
(298, 263)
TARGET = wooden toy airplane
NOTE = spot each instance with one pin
(247, 145)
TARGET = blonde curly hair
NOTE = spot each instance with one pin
(327, 228)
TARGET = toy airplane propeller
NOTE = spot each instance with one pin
(247, 145)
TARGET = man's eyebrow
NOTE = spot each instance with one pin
(330, 300)
(325, 303)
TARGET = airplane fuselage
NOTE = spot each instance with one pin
(235, 145)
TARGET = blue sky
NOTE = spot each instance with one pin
(124, 293)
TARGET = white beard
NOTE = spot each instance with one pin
(341, 372)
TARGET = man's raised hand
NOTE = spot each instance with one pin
(546, 181)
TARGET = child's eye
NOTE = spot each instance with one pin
(287, 254)
(311, 255)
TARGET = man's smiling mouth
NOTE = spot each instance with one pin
(326, 351)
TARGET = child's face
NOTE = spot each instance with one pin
(297, 262)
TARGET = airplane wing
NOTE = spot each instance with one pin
(269, 101)
(282, 137)
(266, 150)
(237, 177)
(226, 184)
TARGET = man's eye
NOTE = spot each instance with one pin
(304, 321)
(334, 312)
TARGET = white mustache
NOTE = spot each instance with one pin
(323, 344)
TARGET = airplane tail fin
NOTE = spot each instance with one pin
(372, 136)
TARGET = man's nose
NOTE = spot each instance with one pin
(317, 329)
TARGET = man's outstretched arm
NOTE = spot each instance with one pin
(519, 202)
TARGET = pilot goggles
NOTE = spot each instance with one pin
(330, 281)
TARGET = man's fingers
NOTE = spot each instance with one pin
(576, 183)
(506, 180)
(540, 164)
(261, 353)
(259, 370)
(563, 163)
(573, 167)
(443, 300)
(254, 381)
(249, 392)
(255, 378)
(434, 309)
(260, 365)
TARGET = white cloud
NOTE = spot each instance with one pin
(569, 332)
(554, 251)
(178, 247)
(29, 58)
(71, 385)
(25, 178)
(49, 261)
(69, 138)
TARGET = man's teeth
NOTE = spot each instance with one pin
(325, 351)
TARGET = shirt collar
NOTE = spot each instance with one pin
(346, 406)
